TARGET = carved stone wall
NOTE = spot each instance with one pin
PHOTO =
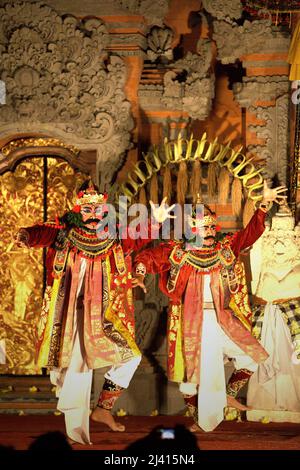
(153, 11)
(267, 88)
(223, 9)
(275, 132)
(186, 85)
(235, 41)
(275, 129)
(60, 81)
(261, 48)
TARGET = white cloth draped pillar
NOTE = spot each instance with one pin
(276, 384)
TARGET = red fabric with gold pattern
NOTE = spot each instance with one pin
(108, 303)
(238, 379)
(191, 402)
(109, 394)
(232, 306)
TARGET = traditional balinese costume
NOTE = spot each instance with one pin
(87, 318)
(209, 317)
(274, 389)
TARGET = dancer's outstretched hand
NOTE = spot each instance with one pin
(274, 194)
(162, 212)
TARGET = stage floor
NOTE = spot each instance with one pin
(20, 431)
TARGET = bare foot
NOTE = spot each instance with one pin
(233, 403)
(71, 442)
(100, 415)
(195, 428)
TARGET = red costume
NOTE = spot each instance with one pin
(181, 278)
(87, 318)
(110, 298)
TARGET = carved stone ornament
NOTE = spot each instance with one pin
(234, 41)
(159, 43)
(188, 85)
(275, 131)
(258, 88)
(195, 94)
(277, 255)
(197, 63)
(154, 11)
(223, 9)
(57, 82)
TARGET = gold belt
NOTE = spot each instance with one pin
(208, 305)
(260, 301)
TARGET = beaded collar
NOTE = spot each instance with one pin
(204, 260)
(88, 243)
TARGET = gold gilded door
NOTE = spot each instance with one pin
(39, 189)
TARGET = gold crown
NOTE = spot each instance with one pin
(90, 196)
(201, 221)
(206, 220)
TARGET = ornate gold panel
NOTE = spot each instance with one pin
(21, 270)
(62, 182)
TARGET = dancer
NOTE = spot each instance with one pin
(209, 314)
(87, 318)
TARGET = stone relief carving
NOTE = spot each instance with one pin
(223, 9)
(234, 41)
(153, 10)
(276, 134)
(159, 43)
(254, 89)
(188, 85)
(197, 90)
(197, 63)
(127, 40)
(56, 78)
(194, 96)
